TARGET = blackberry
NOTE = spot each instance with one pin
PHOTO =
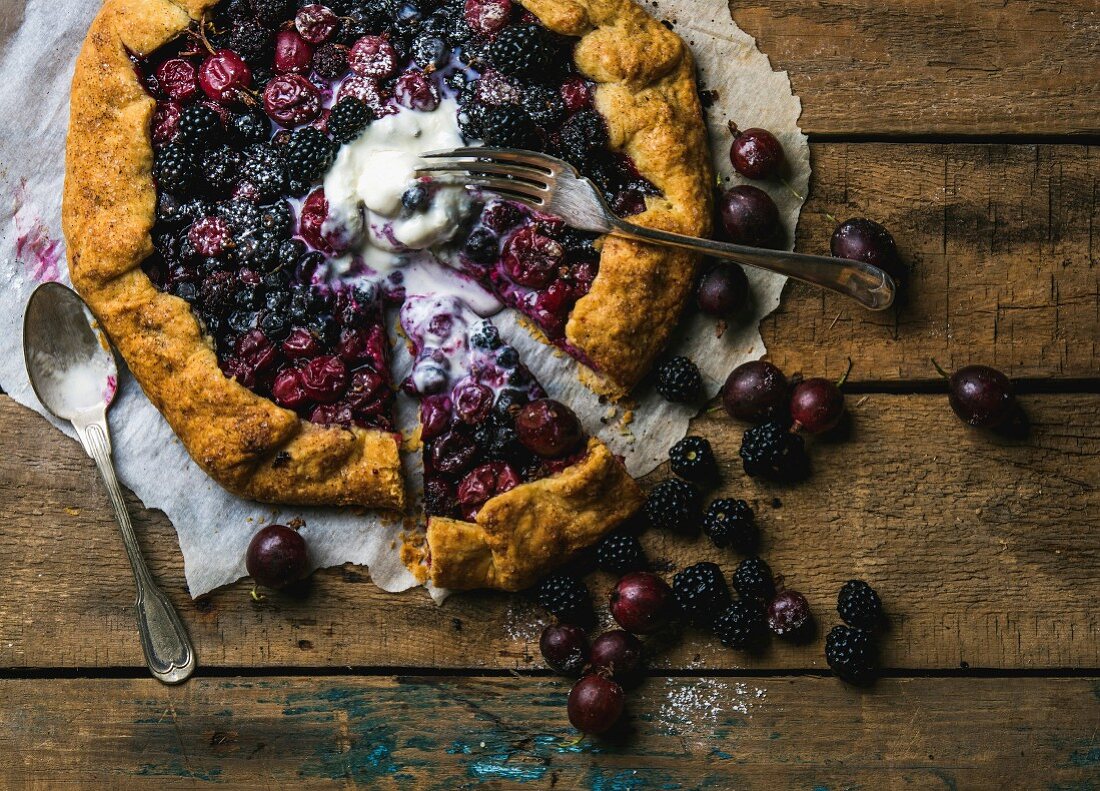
(485, 335)
(702, 593)
(175, 168)
(851, 654)
(243, 216)
(771, 451)
(620, 553)
(168, 210)
(258, 250)
(859, 605)
(265, 170)
(429, 51)
(250, 40)
(275, 325)
(239, 9)
(222, 168)
(567, 598)
(482, 246)
(582, 135)
(740, 626)
(693, 459)
(199, 127)
(308, 153)
(416, 198)
(544, 105)
(674, 505)
(249, 128)
(753, 580)
(348, 119)
(330, 60)
(272, 12)
(521, 51)
(679, 381)
(471, 120)
(278, 219)
(508, 127)
(730, 523)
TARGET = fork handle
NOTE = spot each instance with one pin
(865, 283)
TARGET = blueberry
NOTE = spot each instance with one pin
(508, 357)
(416, 198)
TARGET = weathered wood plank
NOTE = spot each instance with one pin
(934, 66)
(986, 551)
(456, 733)
(1003, 242)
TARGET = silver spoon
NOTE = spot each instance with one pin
(73, 373)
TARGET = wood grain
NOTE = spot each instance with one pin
(986, 551)
(1002, 243)
(457, 733)
(934, 66)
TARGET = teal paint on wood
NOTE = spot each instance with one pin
(177, 769)
(491, 770)
(1090, 757)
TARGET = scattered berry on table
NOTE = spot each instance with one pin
(642, 602)
(860, 239)
(617, 653)
(740, 626)
(757, 154)
(981, 396)
(679, 380)
(729, 522)
(755, 391)
(817, 405)
(277, 556)
(595, 704)
(751, 217)
(859, 605)
(565, 648)
(701, 593)
(851, 654)
(723, 291)
(753, 581)
(693, 459)
(674, 505)
(788, 613)
(348, 119)
(772, 451)
(567, 598)
(620, 553)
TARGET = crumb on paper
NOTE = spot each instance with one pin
(71, 511)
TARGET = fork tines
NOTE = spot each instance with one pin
(525, 176)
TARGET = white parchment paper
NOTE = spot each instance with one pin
(38, 45)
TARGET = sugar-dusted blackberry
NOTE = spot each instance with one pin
(258, 250)
(308, 154)
(348, 119)
(175, 168)
(278, 219)
(199, 128)
(674, 505)
(265, 170)
(565, 597)
(243, 216)
(620, 553)
(429, 51)
(249, 128)
(859, 605)
(544, 105)
(851, 654)
(250, 40)
(702, 593)
(484, 335)
(582, 135)
(753, 580)
(679, 380)
(772, 451)
(239, 9)
(740, 626)
(693, 459)
(272, 13)
(508, 127)
(730, 523)
(222, 168)
(521, 51)
(330, 60)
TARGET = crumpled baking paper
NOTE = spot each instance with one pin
(38, 46)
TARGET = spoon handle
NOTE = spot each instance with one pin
(168, 649)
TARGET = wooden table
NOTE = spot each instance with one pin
(969, 130)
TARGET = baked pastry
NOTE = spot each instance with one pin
(242, 208)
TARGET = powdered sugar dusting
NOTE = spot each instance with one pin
(523, 622)
(697, 706)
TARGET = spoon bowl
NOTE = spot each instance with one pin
(69, 362)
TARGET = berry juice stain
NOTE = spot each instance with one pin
(34, 248)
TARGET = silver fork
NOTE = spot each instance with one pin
(554, 186)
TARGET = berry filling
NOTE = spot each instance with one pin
(289, 211)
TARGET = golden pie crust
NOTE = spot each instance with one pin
(646, 92)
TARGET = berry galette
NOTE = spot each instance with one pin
(245, 216)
